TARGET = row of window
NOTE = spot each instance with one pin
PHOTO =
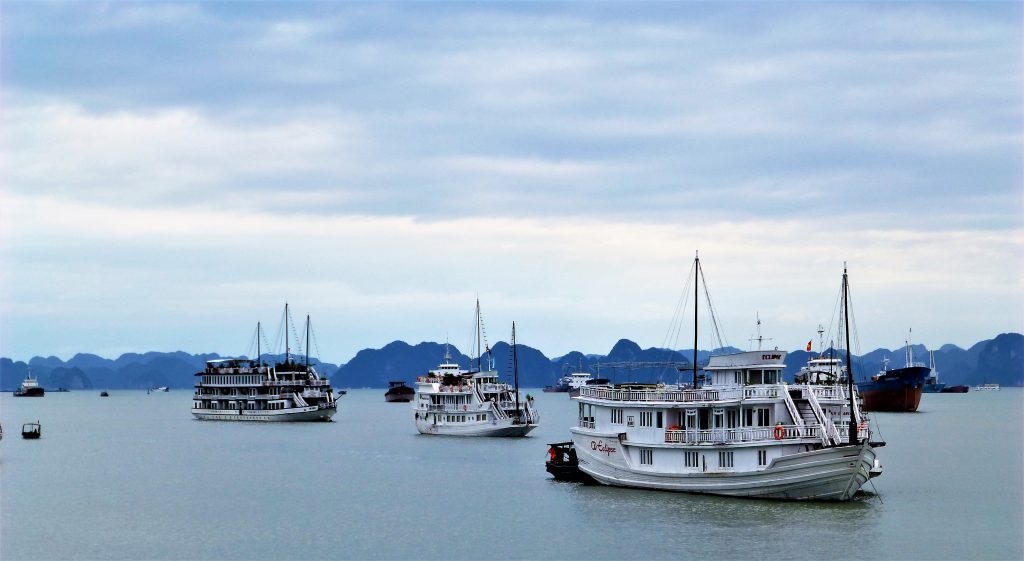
(719, 418)
(691, 459)
(464, 418)
(233, 379)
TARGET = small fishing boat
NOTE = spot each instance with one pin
(104, 394)
(31, 431)
(398, 392)
(563, 463)
(956, 389)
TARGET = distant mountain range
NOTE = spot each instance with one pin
(999, 360)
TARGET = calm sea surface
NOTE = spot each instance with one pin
(132, 476)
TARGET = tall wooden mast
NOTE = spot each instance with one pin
(696, 291)
(515, 367)
(849, 365)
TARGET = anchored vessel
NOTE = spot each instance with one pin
(986, 388)
(456, 402)
(29, 388)
(931, 383)
(241, 389)
(895, 390)
(744, 433)
(398, 392)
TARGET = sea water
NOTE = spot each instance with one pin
(133, 476)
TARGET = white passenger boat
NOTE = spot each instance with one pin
(242, 389)
(744, 432)
(986, 388)
(455, 402)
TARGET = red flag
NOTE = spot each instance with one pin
(808, 346)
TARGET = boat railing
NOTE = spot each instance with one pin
(587, 423)
(706, 394)
(765, 392)
(744, 434)
(827, 392)
(829, 435)
(863, 431)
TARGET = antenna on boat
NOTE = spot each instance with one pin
(696, 292)
(849, 365)
(759, 338)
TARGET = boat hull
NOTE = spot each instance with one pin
(31, 392)
(826, 474)
(933, 388)
(897, 390)
(497, 428)
(956, 389)
(293, 415)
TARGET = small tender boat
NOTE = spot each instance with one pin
(563, 463)
(398, 392)
(31, 431)
(104, 394)
(956, 389)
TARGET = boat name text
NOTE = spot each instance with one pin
(600, 446)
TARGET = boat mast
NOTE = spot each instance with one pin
(479, 355)
(259, 353)
(515, 367)
(696, 291)
(849, 366)
(287, 349)
(307, 342)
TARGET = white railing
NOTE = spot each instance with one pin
(587, 424)
(827, 392)
(863, 432)
(746, 434)
(763, 392)
(707, 394)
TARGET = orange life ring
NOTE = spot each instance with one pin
(779, 433)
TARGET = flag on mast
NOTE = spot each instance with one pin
(808, 346)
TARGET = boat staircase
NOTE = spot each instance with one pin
(498, 413)
(808, 413)
(299, 402)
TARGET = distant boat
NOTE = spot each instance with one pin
(160, 389)
(398, 392)
(986, 388)
(31, 431)
(104, 394)
(29, 388)
(956, 389)
(931, 383)
(895, 390)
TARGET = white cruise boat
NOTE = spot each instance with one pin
(986, 388)
(242, 389)
(455, 402)
(744, 433)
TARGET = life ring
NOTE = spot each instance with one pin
(674, 427)
(779, 433)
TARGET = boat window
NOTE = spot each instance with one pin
(725, 459)
(692, 459)
(646, 418)
(660, 422)
(616, 416)
(646, 456)
(762, 457)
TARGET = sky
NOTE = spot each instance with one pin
(173, 173)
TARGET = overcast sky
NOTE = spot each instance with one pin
(172, 173)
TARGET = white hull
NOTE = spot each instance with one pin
(835, 473)
(497, 428)
(296, 414)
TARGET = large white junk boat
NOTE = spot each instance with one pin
(455, 402)
(744, 432)
(242, 389)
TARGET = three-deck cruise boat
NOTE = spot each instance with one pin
(744, 432)
(242, 389)
(455, 402)
(29, 388)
